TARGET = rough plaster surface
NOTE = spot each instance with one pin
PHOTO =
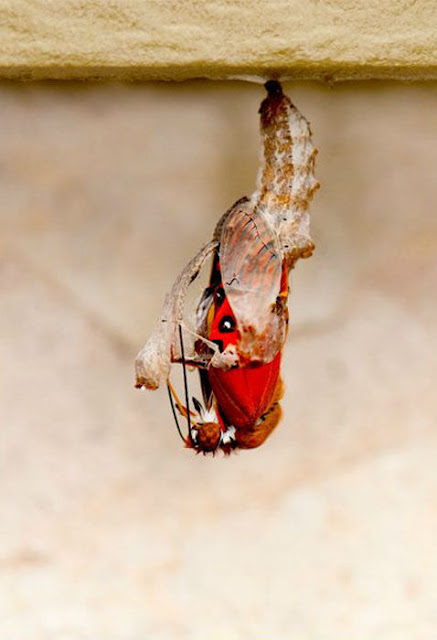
(152, 39)
(109, 529)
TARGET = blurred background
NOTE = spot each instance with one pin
(109, 528)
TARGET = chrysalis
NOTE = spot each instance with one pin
(242, 316)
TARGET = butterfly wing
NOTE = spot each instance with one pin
(252, 266)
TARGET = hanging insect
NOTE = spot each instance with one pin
(242, 316)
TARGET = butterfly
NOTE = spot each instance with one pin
(242, 316)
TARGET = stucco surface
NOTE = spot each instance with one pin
(152, 39)
(109, 529)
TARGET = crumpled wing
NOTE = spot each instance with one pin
(251, 267)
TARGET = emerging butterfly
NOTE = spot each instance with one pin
(242, 316)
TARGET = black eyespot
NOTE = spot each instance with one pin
(219, 296)
(219, 343)
(227, 324)
(197, 405)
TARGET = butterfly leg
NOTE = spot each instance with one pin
(182, 410)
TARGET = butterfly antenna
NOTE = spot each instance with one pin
(173, 408)
(187, 399)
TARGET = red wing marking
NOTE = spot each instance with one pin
(243, 394)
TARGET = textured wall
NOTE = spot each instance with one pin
(153, 39)
(109, 528)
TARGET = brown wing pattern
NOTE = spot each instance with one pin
(251, 266)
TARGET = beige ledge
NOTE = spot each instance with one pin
(182, 39)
